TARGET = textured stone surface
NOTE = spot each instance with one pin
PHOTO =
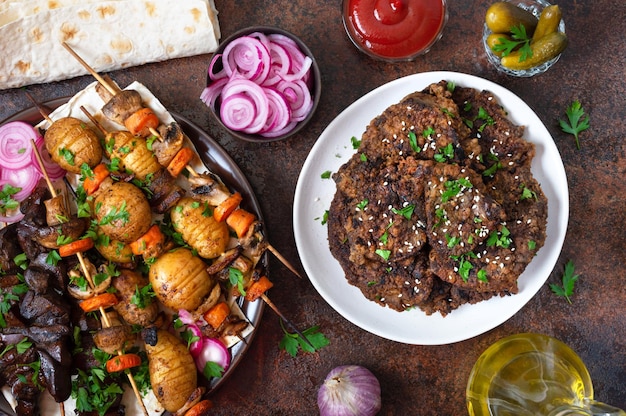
(421, 380)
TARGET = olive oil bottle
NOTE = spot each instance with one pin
(531, 375)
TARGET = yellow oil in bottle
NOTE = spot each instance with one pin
(527, 375)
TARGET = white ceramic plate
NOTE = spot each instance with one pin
(313, 196)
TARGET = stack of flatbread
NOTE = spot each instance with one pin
(108, 34)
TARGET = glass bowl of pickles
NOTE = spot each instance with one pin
(523, 38)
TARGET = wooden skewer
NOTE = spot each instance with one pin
(88, 277)
(97, 76)
(284, 318)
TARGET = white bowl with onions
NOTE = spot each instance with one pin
(263, 84)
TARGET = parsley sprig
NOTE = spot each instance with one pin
(519, 41)
(292, 341)
(568, 281)
(577, 121)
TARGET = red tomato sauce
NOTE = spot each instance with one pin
(395, 29)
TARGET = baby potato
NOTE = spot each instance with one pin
(199, 229)
(115, 251)
(71, 143)
(180, 280)
(173, 372)
(132, 152)
(123, 212)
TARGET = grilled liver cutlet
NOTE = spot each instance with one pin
(438, 207)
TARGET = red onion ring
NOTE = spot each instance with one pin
(15, 147)
(215, 351)
(251, 65)
(25, 178)
(52, 168)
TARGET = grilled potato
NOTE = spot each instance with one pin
(192, 219)
(122, 212)
(180, 280)
(71, 143)
(173, 372)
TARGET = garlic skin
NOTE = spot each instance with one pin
(349, 390)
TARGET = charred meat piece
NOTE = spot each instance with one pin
(9, 248)
(164, 191)
(420, 126)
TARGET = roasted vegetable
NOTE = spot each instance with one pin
(71, 143)
(173, 372)
(123, 212)
(180, 280)
(132, 153)
(193, 220)
(135, 306)
(114, 339)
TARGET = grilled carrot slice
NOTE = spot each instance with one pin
(200, 408)
(178, 163)
(144, 243)
(141, 121)
(92, 183)
(75, 247)
(217, 314)
(105, 300)
(123, 362)
(257, 288)
(240, 220)
(223, 210)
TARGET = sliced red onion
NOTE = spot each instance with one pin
(15, 146)
(258, 97)
(219, 74)
(52, 168)
(248, 57)
(10, 216)
(25, 178)
(298, 96)
(215, 351)
(279, 112)
(273, 60)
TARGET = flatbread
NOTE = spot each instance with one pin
(108, 35)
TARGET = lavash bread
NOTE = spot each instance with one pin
(108, 35)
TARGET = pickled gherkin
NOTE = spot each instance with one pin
(544, 49)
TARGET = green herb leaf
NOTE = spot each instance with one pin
(326, 175)
(235, 276)
(406, 212)
(519, 39)
(212, 370)
(291, 342)
(568, 281)
(577, 121)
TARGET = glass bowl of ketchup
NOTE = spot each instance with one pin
(394, 30)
